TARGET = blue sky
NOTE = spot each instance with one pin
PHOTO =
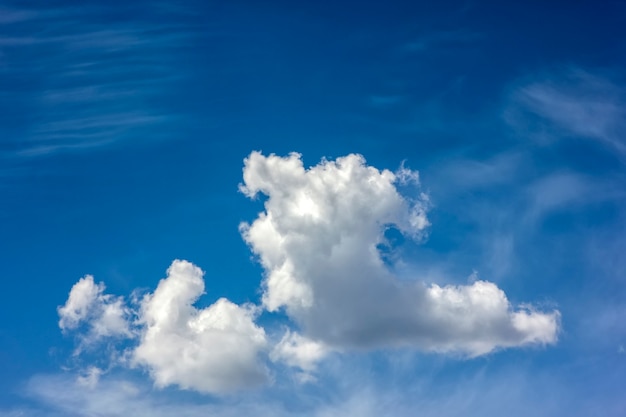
(188, 228)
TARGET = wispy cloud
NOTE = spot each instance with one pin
(84, 81)
(573, 102)
(511, 201)
(486, 390)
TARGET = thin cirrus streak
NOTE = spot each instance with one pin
(72, 81)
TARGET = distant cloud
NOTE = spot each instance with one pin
(482, 393)
(458, 172)
(561, 190)
(571, 103)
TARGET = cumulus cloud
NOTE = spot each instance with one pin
(214, 349)
(317, 240)
(104, 314)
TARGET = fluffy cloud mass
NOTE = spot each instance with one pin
(214, 349)
(211, 350)
(318, 241)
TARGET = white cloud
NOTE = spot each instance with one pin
(317, 240)
(298, 351)
(104, 314)
(214, 349)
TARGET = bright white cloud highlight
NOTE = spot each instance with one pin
(210, 350)
(317, 240)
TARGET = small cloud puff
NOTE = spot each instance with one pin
(104, 314)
